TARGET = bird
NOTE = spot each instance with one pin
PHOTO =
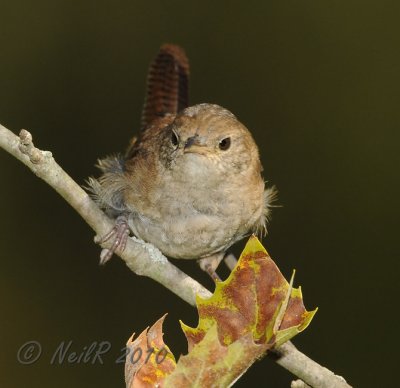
(190, 182)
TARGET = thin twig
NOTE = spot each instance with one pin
(313, 374)
(143, 258)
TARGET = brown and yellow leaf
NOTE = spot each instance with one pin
(252, 311)
(211, 364)
(249, 301)
(148, 359)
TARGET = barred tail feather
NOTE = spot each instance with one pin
(167, 84)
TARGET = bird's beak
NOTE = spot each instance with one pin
(195, 145)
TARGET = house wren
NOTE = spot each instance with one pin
(191, 182)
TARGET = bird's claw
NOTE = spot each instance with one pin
(119, 233)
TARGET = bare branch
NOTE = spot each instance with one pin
(143, 258)
(313, 374)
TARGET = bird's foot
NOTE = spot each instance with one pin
(209, 264)
(119, 233)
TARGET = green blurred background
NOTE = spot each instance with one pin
(316, 82)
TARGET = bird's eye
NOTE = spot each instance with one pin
(224, 144)
(174, 139)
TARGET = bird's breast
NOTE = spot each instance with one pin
(196, 220)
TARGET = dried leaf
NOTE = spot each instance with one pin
(211, 364)
(148, 359)
(249, 301)
(252, 311)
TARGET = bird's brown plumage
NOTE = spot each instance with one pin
(191, 183)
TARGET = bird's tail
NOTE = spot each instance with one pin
(167, 84)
